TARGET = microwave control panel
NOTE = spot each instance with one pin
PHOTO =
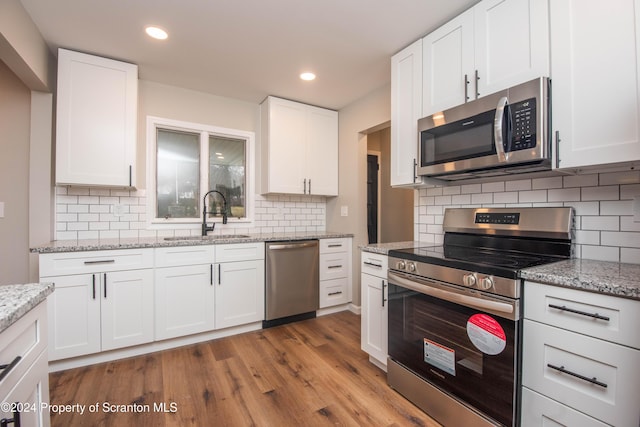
(523, 117)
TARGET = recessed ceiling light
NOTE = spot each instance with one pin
(156, 32)
(307, 76)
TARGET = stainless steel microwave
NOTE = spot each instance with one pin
(503, 133)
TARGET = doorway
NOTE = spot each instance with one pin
(395, 206)
(373, 190)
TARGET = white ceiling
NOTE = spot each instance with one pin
(248, 49)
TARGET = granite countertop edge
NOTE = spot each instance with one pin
(610, 278)
(160, 242)
(18, 300)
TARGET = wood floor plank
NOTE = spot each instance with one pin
(310, 373)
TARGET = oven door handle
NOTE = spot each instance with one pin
(452, 296)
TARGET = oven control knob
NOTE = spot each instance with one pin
(469, 280)
(401, 265)
(411, 267)
(486, 283)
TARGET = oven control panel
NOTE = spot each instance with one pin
(497, 218)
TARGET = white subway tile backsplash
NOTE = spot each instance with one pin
(603, 205)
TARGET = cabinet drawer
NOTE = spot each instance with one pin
(538, 410)
(64, 263)
(20, 345)
(374, 264)
(184, 255)
(334, 292)
(328, 246)
(601, 316)
(334, 266)
(239, 252)
(614, 400)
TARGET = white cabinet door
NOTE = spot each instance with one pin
(74, 315)
(374, 317)
(239, 293)
(96, 120)
(31, 393)
(184, 300)
(511, 43)
(448, 65)
(596, 81)
(322, 152)
(286, 146)
(127, 308)
(495, 45)
(406, 109)
(299, 153)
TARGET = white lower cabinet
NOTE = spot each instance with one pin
(24, 386)
(579, 375)
(239, 293)
(335, 272)
(101, 307)
(374, 294)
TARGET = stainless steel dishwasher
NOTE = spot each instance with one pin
(292, 289)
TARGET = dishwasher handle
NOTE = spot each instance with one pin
(305, 244)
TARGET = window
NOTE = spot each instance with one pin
(186, 160)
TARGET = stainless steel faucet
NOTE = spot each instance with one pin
(206, 228)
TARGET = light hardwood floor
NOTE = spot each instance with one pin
(309, 373)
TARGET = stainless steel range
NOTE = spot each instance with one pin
(455, 311)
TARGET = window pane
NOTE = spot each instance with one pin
(178, 169)
(227, 175)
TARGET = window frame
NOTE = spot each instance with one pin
(153, 124)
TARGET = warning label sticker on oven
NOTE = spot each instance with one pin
(440, 356)
(486, 334)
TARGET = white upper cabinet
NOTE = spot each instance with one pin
(96, 121)
(406, 109)
(492, 46)
(596, 81)
(299, 148)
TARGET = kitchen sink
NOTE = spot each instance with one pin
(212, 237)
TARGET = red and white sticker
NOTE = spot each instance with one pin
(486, 334)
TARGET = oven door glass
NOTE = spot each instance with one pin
(466, 352)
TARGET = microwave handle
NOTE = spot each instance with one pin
(498, 135)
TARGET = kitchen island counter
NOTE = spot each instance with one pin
(171, 241)
(611, 278)
(17, 300)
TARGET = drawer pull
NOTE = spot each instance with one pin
(15, 420)
(334, 266)
(372, 264)
(335, 293)
(582, 313)
(335, 245)
(593, 380)
(7, 368)
(105, 261)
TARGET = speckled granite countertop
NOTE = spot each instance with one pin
(158, 242)
(610, 278)
(17, 300)
(384, 248)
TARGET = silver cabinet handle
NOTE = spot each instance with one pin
(334, 266)
(335, 245)
(104, 261)
(582, 313)
(415, 170)
(562, 369)
(93, 280)
(305, 186)
(219, 274)
(383, 298)
(335, 293)
(292, 246)
(309, 185)
(477, 86)
(105, 285)
(211, 274)
(372, 264)
(9, 367)
(557, 149)
(466, 88)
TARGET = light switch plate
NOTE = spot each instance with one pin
(1, 209)
(344, 210)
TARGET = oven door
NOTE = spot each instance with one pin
(460, 340)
